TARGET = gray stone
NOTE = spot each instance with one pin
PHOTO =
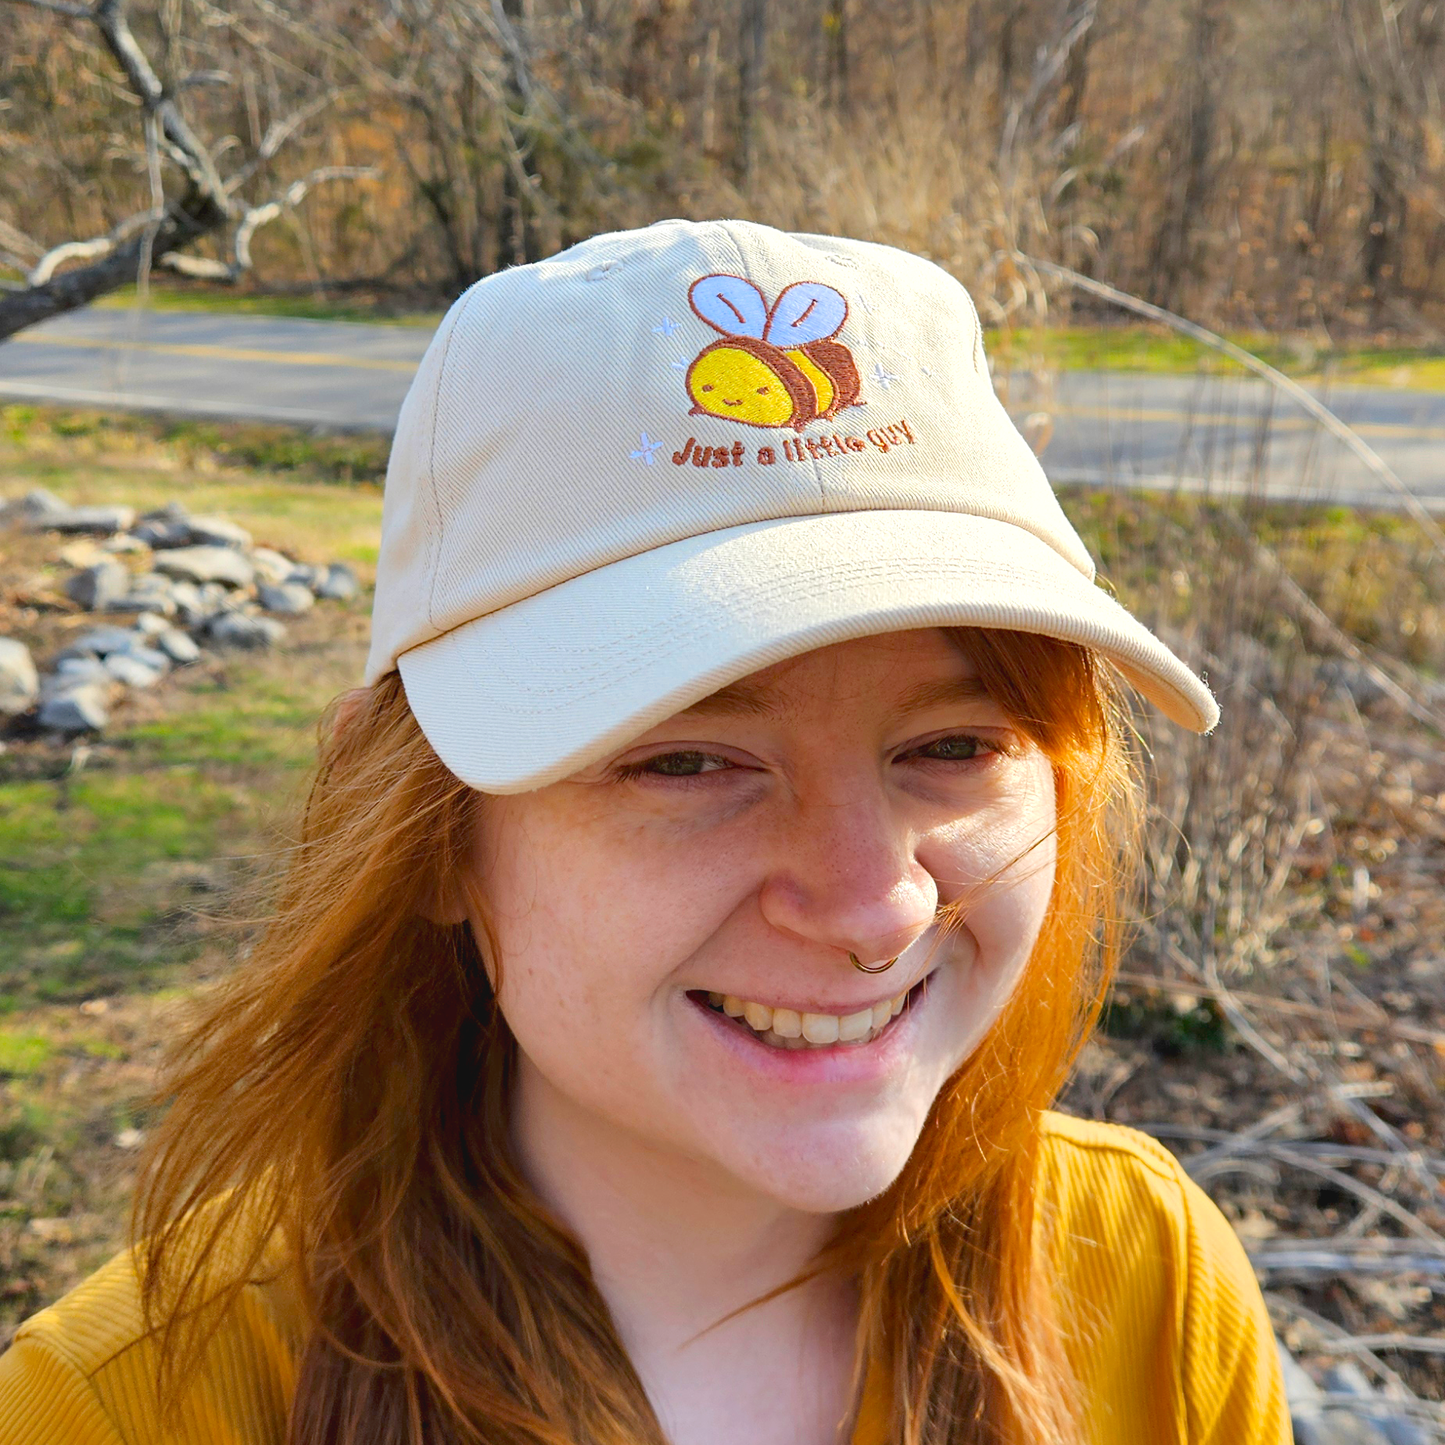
(170, 512)
(235, 629)
(152, 656)
(187, 599)
(339, 584)
(19, 682)
(1316, 1422)
(152, 624)
(38, 503)
(97, 586)
(102, 641)
(1313, 1424)
(270, 566)
(98, 520)
(131, 670)
(72, 671)
(289, 599)
(143, 602)
(150, 592)
(218, 532)
(78, 709)
(1347, 1378)
(180, 648)
(307, 575)
(207, 564)
(162, 532)
(124, 542)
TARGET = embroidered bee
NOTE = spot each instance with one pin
(778, 368)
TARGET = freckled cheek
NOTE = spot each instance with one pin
(594, 956)
(998, 866)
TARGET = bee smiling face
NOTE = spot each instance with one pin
(733, 381)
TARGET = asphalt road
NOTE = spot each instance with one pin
(1200, 433)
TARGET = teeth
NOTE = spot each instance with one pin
(785, 1028)
(759, 1017)
(787, 1024)
(820, 1028)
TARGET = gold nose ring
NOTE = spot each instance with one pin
(873, 967)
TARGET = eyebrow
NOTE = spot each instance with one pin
(741, 699)
(734, 700)
(936, 694)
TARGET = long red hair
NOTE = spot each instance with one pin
(346, 1092)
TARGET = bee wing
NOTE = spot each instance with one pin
(730, 304)
(806, 311)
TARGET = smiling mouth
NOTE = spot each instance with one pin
(738, 402)
(785, 1028)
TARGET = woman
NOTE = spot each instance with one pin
(696, 912)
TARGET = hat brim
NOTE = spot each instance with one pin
(527, 695)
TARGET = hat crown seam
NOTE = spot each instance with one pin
(435, 539)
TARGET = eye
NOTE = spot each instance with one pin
(707, 386)
(676, 765)
(764, 390)
(957, 748)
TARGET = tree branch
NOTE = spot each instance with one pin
(109, 17)
(155, 236)
(57, 256)
(179, 226)
(294, 194)
(58, 7)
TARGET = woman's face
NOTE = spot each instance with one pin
(731, 859)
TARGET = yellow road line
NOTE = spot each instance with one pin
(1245, 423)
(223, 353)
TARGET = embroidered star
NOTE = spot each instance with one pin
(883, 377)
(666, 328)
(645, 450)
(678, 365)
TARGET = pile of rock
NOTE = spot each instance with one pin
(198, 581)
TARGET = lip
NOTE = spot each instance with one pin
(835, 1064)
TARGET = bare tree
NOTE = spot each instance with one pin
(207, 203)
(752, 58)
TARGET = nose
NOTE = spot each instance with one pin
(846, 876)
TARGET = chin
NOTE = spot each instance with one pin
(836, 1170)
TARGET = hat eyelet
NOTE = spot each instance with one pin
(601, 271)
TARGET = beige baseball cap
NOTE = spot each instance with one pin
(633, 473)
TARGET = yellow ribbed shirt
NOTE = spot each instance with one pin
(1167, 1330)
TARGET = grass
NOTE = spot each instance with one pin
(105, 856)
(249, 303)
(120, 861)
(1159, 351)
(49, 442)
